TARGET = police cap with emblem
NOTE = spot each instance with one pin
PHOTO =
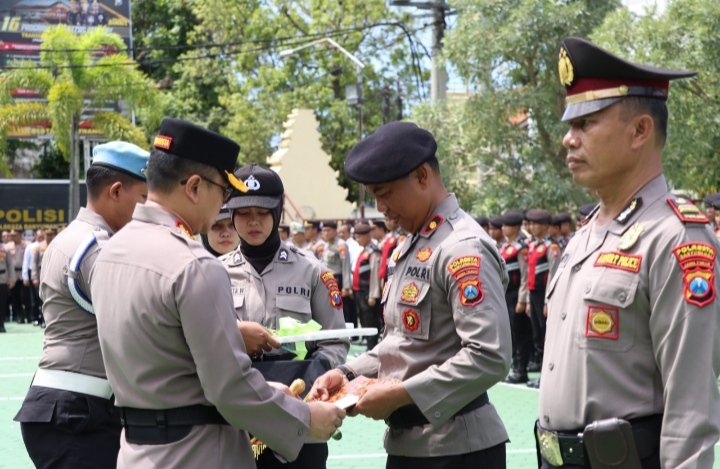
(264, 188)
(189, 141)
(595, 79)
(538, 215)
(393, 151)
(123, 156)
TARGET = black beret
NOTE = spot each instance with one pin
(712, 199)
(563, 217)
(189, 141)
(393, 151)
(285, 228)
(362, 228)
(513, 217)
(482, 220)
(538, 215)
(595, 79)
(496, 222)
(330, 224)
(264, 188)
(379, 224)
(584, 210)
(312, 224)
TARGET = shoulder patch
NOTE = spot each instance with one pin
(331, 284)
(687, 212)
(697, 261)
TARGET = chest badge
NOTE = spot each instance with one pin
(423, 254)
(409, 293)
(411, 320)
(630, 237)
(602, 322)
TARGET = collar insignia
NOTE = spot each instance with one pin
(629, 210)
(183, 228)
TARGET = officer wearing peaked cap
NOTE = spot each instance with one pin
(172, 351)
(271, 281)
(447, 336)
(633, 312)
(68, 417)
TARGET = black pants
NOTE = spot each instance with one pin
(63, 429)
(35, 304)
(522, 336)
(349, 308)
(4, 305)
(20, 313)
(312, 456)
(369, 316)
(537, 304)
(490, 458)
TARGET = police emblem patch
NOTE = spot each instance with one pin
(409, 293)
(699, 287)
(695, 256)
(162, 142)
(471, 293)
(602, 322)
(464, 266)
(411, 320)
(252, 183)
(423, 254)
(630, 237)
(565, 68)
(333, 290)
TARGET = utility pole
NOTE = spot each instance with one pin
(438, 74)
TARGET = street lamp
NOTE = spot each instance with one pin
(353, 93)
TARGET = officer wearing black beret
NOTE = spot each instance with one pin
(483, 221)
(632, 354)
(495, 230)
(447, 331)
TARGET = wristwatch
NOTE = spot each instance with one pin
(349, 374)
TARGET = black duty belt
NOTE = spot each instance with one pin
(410, 416)
(153, 427)
(567, 447)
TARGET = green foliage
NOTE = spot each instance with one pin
(74, 76)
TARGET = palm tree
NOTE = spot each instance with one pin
(76, 73)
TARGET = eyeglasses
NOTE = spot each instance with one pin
(227, 190)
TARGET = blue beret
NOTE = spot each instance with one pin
(123, 156)
(393, 151)
(187, 140)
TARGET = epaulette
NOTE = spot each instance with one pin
(687, 212)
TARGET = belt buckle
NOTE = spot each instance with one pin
(549, 446)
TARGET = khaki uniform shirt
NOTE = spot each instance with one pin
(71, 341)
(169, 338)
(447, 334)
(633, 326)
(5, 266)
(294, 285)
(336, 257)
(16, 253)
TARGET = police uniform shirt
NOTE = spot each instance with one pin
(17, 253)
(294, 285)
(170, 339)
(5, 266)
(335, 256)
(447, 334)
(632, 328)
(70, 342)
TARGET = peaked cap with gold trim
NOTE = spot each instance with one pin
(595, 79)
(187, 140)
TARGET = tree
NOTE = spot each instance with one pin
(509, 132)
(231, 78)
(685, 37)
(77, 72)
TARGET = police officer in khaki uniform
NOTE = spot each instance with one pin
(271, 280)
(333, 252)
(632, 333)
(447, 334)
(166, 320)
(68, 417)
(5, 267)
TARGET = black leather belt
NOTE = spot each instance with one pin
(410, 416)
(646, 432)
(153, 427)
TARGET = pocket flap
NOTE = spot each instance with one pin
(35, 412)
(614, 290)
(293, 304)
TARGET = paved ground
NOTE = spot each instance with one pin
(360, 448)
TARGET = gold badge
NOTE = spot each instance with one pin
(630, 237)
(602, 322)
(423, 254)
(410, 293)
(565, 68)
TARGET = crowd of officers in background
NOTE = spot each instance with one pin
(530, 241)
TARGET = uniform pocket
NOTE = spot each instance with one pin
(608, 324)
(293, 306)
(35, 412)
(413, 305)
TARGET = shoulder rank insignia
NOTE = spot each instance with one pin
(687, 212)
(433, 225)
(630, 237)
(423, 254)
(629, 210)
(283, 254)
